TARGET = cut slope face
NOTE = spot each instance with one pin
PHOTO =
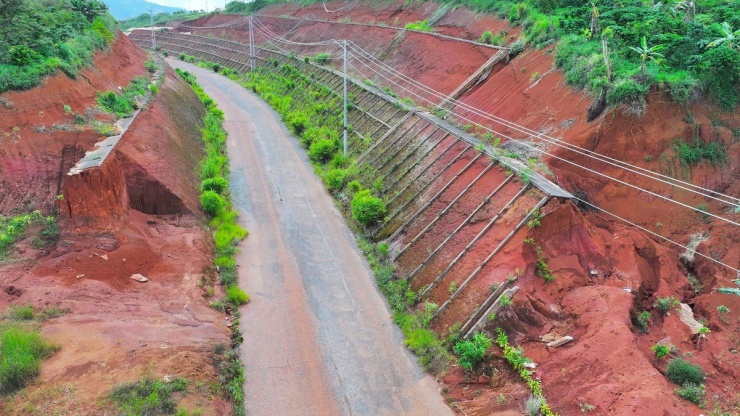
(135, 212)
(531, 93)
(39, 140)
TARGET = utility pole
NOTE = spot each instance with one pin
(251, 45)
(154, 38)
(344, 47)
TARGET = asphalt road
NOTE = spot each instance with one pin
(318, 335)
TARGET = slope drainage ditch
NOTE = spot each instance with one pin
(453, 204)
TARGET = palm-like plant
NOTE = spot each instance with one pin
(89, 8)
(689, 9)
(647, 53)
(731, 38)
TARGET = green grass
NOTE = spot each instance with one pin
(122, 105)
(226, 235)
(52, 37)
(21, 352)
(148, 397)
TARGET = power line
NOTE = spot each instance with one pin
(558, 142)
(552, 155)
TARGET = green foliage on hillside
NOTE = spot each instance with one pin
(144, 20)
(38, 37)
(619, 50)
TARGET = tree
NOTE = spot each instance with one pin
(647, 54)
(689, 9)
(8, 8)
(730, 38)
(89, 8)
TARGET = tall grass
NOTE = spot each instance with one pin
(21, 353)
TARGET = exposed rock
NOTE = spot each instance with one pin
(560, 342)
(686, 315)
(139, 278)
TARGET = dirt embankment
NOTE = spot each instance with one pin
(137, 213)
(606, 272)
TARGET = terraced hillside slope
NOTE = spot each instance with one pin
(606, 273)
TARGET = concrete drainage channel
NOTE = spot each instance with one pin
(453, 205)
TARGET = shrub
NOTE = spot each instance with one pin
(661, 350)
(664, 305)
(421, 25)
(321, 58)
(630, 94)
(216, 184)
(683, 372)
(21, 352)
(21, 55)
(354, 187)
(516, 48)
(367, 209)
(113, 103)
(322, 150)
(236, 296)
(148, 396)
(642, 321)
(20, 313)
(691, 153)
(720, 72)
(181, 56)
(692, 392)
(297, 121)
(334, 179)
(151, 66)
(471, 352)
(212, 202)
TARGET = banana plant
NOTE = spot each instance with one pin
(647, 53)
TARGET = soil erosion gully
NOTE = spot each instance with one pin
(318, 336)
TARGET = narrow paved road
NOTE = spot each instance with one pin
(319, 339)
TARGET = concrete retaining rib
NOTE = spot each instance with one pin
(459, 227)
(434, 198)
(401, 143)
(478, 320)
(415, 148)
(424, 187)
(413, 166)
(385, 136)
(470, 245)
(446, 209)
(396, 136)
(490, 256)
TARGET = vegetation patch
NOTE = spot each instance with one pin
(21, 352)
(216, 201)
(148, 397)
(41, 37)
(123, 104)
(13, 228)
(692, 153)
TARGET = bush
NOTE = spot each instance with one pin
(720, 72)
(683, 372)
(664, 305)
(471, 352)
(236, 296)
(516, 48)
(322, 150)
(21, 55)
(421, 25)
(216, 184)
(630, 94)
(692, 392)
(212, 202)
(21, 352)
(297, 121)
(661, 350)
(334, 179)
(151, 66)
(113, 103)
(367, 209)
(148, 396)
(321, 58)
(20, 313)
(691, 153)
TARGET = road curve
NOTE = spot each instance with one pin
(318, 335)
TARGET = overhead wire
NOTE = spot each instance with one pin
(474, 110)
(688, 249)
(550, 154)
(708, 193)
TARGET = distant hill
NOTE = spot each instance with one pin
(127, 9)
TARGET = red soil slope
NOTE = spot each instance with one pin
(610, 364)
(137, 213)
